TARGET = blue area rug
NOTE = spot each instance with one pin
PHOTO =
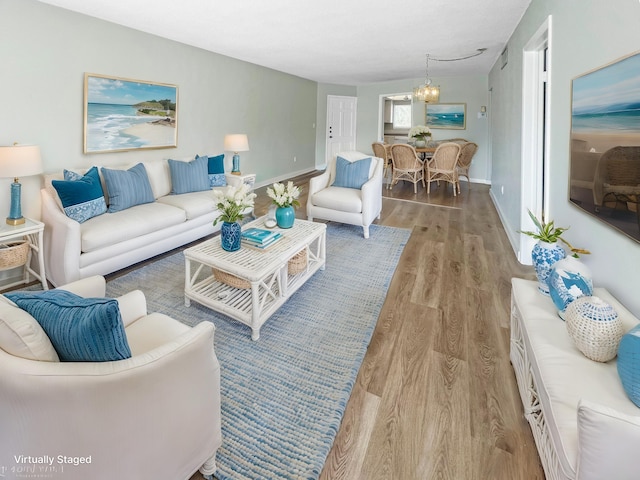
(283, 396)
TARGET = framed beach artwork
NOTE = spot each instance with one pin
(122, 114)
(604, 178)
(451, 116)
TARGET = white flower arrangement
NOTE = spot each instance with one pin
(420, 131)
(232, 201)
(284, 196)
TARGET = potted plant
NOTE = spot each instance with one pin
(286, 198)
(420, 133)
(231, 202)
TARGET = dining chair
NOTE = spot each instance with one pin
(406, 165)
(443, 166)
(467, 151)
(383, 150)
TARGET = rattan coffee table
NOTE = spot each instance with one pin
(251, 284)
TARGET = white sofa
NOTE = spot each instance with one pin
(112, 241)
(153, 415)
(347, 205)
(584, 425)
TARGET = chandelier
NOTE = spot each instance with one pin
(427, 92)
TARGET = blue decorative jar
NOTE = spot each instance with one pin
(285, 216)
(544, 255)
(569, 279)
(230, 236)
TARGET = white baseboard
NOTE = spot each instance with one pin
(284, 177)
(513, 236)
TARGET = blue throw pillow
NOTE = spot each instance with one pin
(189, 176)
(217, 180)
(352, 174)
(127, 188)
(81, 195)
(629, 364)
(80, 329)
(215, 164)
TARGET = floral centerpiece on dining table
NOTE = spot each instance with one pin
(286, 198)
(231, 202)
(421, 133)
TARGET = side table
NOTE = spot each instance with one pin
(31, 230)
(246, 178)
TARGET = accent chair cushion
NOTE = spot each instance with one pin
(629, 364)
(80, 329)
(190, 176)
(351, 174)
(127, 188)
(22, 336)
(81, 196)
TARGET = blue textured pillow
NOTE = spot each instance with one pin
(629, 364)
(217, 180)
(81, 196)
(352, 174)
(189, 176)
(127, 188)
(80, 329)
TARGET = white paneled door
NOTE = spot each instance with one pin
(341, 124)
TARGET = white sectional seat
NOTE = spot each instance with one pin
(111, 241)
(584, 424)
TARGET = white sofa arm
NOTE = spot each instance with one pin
(318, 183)
(608, 443)
(372, 193)
(61, 241)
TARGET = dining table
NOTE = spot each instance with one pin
(425, 152)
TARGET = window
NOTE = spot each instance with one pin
(401, 115)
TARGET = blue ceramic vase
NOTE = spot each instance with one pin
(285, 216)
(544, 255)
(569, 279)
(230, 236)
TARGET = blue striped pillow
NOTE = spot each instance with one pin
(127, 188)
(81, 196)
(351, 174)
(80, 329)
(189, 176)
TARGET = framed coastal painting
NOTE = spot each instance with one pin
(122, 114)
(451, 116)
(604, 178)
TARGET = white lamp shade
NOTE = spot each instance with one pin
(20, 161)
(237, 142)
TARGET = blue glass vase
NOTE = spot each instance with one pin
(544, 255)
(230, 236)
(285, 216)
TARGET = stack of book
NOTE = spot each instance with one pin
(260, 238)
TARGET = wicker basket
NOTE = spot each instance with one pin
(297, 263)
(594, 327)
(231, 280)
(13, 254)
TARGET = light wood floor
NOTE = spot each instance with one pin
(436, 396)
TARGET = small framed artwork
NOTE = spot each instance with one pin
(450, 116)
(122, 114)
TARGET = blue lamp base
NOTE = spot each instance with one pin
(235, 170)
(15, 214)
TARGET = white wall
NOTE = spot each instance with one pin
(585, 36)
(45, 51)
(472, 90)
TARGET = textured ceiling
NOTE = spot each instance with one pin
(351, 42)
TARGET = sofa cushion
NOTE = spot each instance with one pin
(159, 176)
(352, 174)
(111, 228)
(339, 198)
(194, 204)
(81, 196)
(127, 188)
(190, 176)
(22, 336)
(80, 329)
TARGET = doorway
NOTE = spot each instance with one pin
(535, 129)
(395, 116)
(341, 125)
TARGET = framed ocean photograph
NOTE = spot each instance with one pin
(605, 144)
(122, 114)
(451, 116)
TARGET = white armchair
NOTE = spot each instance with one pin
(154, 415)
(347, 205)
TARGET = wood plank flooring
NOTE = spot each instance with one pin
(436, 396)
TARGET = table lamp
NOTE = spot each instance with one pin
(235, 143)
(18, 161)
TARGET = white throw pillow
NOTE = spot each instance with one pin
(22, 336)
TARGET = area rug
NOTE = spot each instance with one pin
(283, 396)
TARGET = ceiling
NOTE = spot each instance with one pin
(350, 42)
